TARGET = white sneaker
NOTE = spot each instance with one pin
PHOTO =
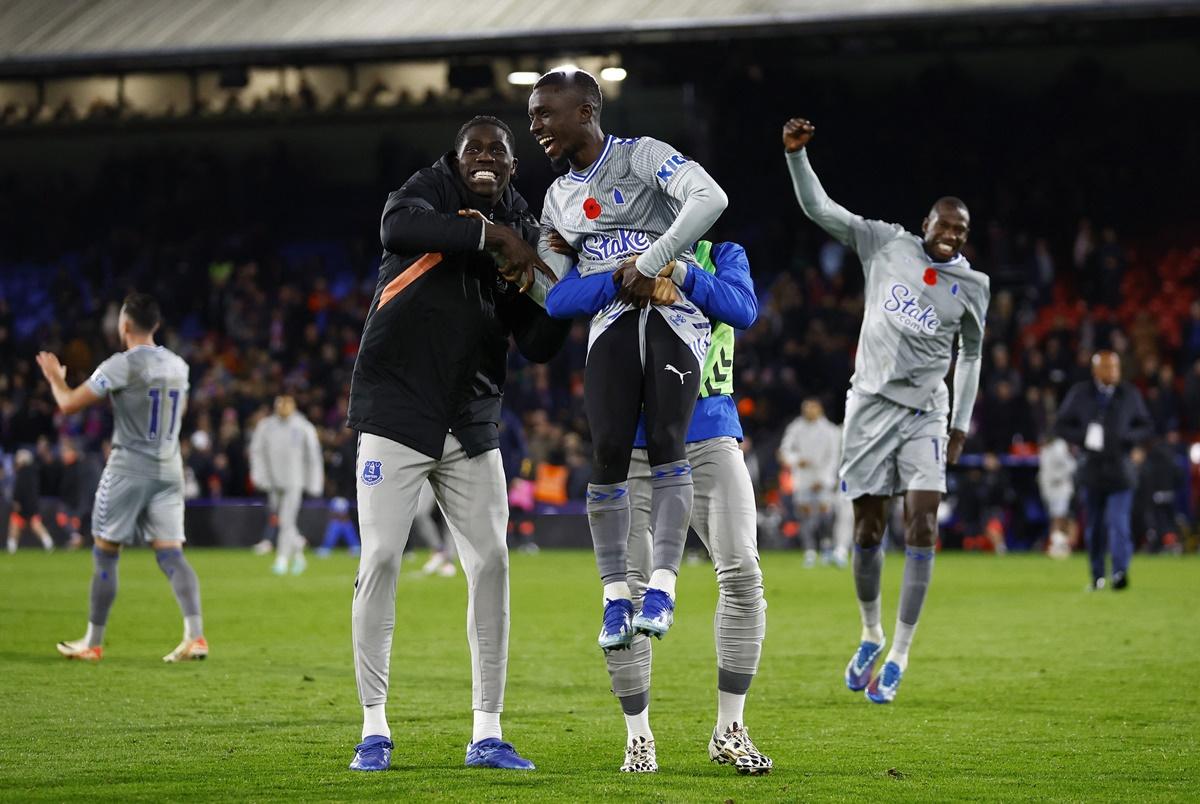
(435, 563)
(639, 757)
(735, 747)
(448, 570)
(263, 548)
(280, 566)
(810, 559)
(299, 564)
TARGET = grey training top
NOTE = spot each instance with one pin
(915, 309)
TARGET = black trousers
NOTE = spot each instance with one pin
(617, 390)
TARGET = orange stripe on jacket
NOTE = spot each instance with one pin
(408, 276)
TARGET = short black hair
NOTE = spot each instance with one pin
(581, 80)
(951, 202)
(483, 120)
(143, 311)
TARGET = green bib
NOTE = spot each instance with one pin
(717, 378)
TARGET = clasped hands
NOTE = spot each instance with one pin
(634, 287)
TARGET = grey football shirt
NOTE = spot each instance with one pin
(148, 386)
(622, 205)
(915, 309)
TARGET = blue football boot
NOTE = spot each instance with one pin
(493, 753)
(882, 688)
(657, 614)
(373, 754)
(617, 631)
(862, 664)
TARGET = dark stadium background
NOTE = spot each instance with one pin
(248, 201)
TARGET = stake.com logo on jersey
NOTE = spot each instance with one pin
(906, 310)
(603, 247)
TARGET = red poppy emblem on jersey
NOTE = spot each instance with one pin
(930, 276)
(591, 208)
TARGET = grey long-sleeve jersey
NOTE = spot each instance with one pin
(285, 454)
(915, 309)
(640, 196)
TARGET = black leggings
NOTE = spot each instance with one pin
(616, 390)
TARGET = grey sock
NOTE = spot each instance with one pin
(634, 704)
(918, 569)
(735, 683)
(671, 493)
(104, 591)
(868, 571)
(608, 519)
(185, 585)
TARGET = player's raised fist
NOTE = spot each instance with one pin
(796, 134)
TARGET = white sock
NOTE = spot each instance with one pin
(730, 708)
(375, 722)
(639, 725)
(193, 627)
(617, 591)
(94, 636)
(901, 643)
(663, 580)
(872, 630)
(487, 724)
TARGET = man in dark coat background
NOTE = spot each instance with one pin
(1106, 418)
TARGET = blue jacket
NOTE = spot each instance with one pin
(727, 295)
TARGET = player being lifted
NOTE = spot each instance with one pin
(630, 206)
(140, 497)
(921, 295)
(724, 516)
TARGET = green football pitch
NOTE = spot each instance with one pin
(1020, 687)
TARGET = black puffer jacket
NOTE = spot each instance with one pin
(434, 346)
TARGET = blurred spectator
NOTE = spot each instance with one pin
(286, 462)
(25, 503)
(1162, 469)
(810, 449)
(1056, 482)
(80, 478)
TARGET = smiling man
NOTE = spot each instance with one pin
(631, 208)
(425, 398)
(921, 296)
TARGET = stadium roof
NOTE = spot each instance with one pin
(57, 35)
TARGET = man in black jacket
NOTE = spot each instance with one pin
(425, 399)
(1107, 419)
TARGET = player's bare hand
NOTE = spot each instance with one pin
(559, 245)
(516, 260)
(796, 134)
(954, 449)
(665, 292)
(51, 368)
(636, 288)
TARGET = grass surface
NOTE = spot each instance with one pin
(1020, 687)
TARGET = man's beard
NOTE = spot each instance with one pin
(560, 164)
